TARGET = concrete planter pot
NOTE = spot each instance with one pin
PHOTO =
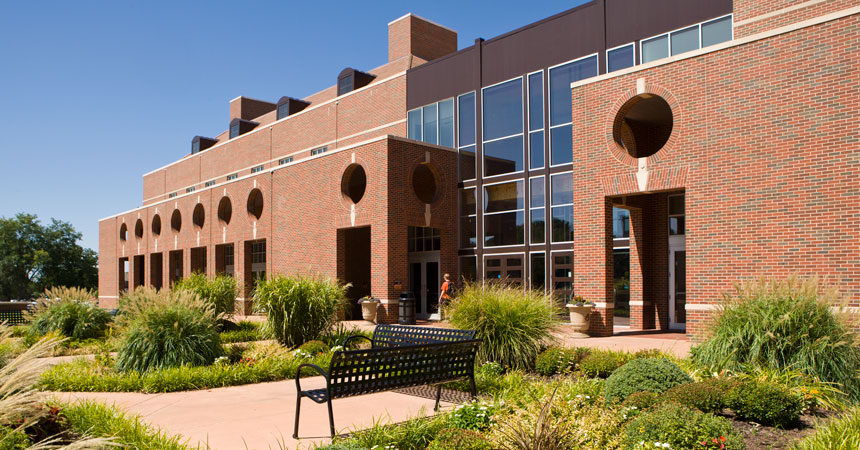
(368, 311)
(579, 319)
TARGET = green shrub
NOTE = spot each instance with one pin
(11, 439)
(599, 364)
(706, 396)
(169, 330)
(642, 400)
(335, 336)
(415, 434)
(315, 347)
(764, 403)
(298, 308)
(646, 374)
(784, 324)
(474, 415)
(459, 439)
(244, 331)
(71, 312)
(219, 291)
(341, 446)
(681, 428)
(257, 366)
(810, 390)
(95, 419)
(558, 360)
(839, 434)
(514, 324)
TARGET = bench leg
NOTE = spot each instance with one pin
(472, 389)
(298, 407)
(438, 396)
(330, 418)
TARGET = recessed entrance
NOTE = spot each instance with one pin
(138, 268)
(224, 259)
(354, 249)
(643, 125)
(677, 264)
(255, 265)
(198, 260)
(424, 277)
(122, 275)
(174, 265)
(156, 270)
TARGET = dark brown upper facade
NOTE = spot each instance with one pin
(588, 29)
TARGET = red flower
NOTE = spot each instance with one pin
(723, 438)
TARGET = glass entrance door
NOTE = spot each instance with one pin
(677, 287)
(424, 284)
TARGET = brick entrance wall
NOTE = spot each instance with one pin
(765, 147)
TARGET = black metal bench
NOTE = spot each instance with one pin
(385, 335)
(394, 362)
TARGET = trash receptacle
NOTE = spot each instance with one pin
(406, 305)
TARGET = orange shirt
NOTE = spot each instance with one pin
(445, 290)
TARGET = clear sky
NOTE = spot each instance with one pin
(95, 94)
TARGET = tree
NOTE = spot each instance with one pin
(34, 257)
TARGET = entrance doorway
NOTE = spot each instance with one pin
(139, 279)
(156, 270)
(424, 283)
(355, 248)
(677, 263)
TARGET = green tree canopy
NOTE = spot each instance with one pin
(35, 256)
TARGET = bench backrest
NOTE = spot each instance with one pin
(396, 335)
(357, 372)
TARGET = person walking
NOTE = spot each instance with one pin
(447, 290)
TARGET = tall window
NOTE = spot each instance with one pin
(433, 123)
(620, 223)
(562, 207)
(503, 128)
(503, 214)
(560, 113)
(537, 211)
(468, 218)
(536, 120)
(677, 225)
(537, 271)
(466, 141)
(430, 124)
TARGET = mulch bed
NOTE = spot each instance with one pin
(760, 437)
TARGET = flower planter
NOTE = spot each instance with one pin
(368, 311)
(579, 319)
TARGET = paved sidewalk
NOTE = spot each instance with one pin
(258, 416)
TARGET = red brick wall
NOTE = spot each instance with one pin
(303, 209)
(765, 147)
(353, 118)
(413, 35)
(749, 9)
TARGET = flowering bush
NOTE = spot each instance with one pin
(680, 427)
(474, 415)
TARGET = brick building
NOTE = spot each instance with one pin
(643, 154)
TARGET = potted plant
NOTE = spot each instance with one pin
(580, 311)
(368, 308)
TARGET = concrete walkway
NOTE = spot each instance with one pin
(258, 416)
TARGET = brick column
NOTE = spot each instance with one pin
(601, 268)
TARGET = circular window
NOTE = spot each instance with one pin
(354, 183)
(643, 125)
(198, 217)
(123, 232)
(255, 203)
(225, 210)
(176, 221)
(424, 182)
(156, 225)
(138, 229)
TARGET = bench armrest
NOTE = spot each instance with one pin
(355, 336)
(312, 366)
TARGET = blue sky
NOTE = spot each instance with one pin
(95, 94)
